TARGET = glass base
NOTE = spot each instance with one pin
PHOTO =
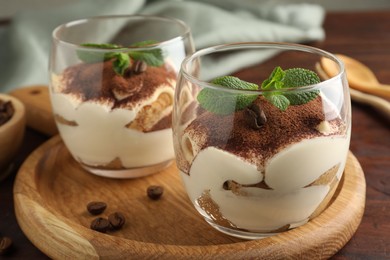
(129, 173)
(240, 233)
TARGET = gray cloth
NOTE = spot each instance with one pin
(26, 41)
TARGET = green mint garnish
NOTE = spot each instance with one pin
(151, 57)
(278, 101)
(143, 43)
(121, 63)
(275, 80)
(298, 77)
(122, 60)
(95, 56)
(223, 102)
(102, 45)
(290, 78)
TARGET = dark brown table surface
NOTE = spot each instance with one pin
(364, 36)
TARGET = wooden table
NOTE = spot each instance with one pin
(364, 36)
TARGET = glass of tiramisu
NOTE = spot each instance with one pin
(260, 140)
(112, 82)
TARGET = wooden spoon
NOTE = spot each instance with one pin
(359, 76)
(378, 103)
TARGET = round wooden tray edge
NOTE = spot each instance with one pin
(29, 206)
(62, 232)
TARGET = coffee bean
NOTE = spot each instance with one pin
(9, 109)
(154, 192)
(254, 116)
(5, 245)
(117, 220)
(100, 225)
(96, 207)
(6, 111)
(139, 67)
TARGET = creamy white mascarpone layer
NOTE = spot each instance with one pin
(101, 136)
(288, 172)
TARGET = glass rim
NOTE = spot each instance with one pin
(261, 45)
(184, 34)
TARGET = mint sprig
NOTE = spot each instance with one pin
(122, 59)
(151, 57)
(121, 62)
(290, 78)
(223, 102)
(89, 56)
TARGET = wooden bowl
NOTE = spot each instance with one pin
(11, 134)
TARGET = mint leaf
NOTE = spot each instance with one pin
(234, 83)
(279, 101)
(217, 102)
(222, 102)
(275, 82)
(291, 78)
(275, 79)
(300, 98)
(143, 43)
(121, 63)
(121, 60)
(153, 58)
(90, 56)
(298, 77)
(102, 45)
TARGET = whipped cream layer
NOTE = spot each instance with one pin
(101, 135)
(292, 195)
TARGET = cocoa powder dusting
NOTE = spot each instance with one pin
(99, 82)
(231, 132)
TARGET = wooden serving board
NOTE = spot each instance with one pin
(51, 192)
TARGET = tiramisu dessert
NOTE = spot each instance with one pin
(115, 114)
(267, 163)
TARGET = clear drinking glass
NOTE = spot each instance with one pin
(253, 168)
(112, 88)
